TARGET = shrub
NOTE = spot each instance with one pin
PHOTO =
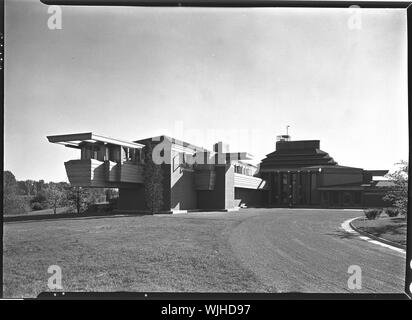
(39, 198)
(13, 203)
(372, 214)
(114, 201)
(398, 193)
(36, 206)
(392, 212)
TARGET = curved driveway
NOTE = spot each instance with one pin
(307, 251)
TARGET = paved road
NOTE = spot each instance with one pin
(306, 251)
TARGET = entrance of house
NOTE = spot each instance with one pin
(290, 188)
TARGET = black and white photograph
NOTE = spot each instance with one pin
(205, 149)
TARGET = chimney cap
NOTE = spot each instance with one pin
(283, 137)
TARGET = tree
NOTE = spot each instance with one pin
(77, 197)
(22, 188)
(55, 197)
(26, 188)
(153, 187)
(95, 195)
(11, 201)
(398, 193)
(30, 185)
(41, 199)
(9, 182)
(39, 186)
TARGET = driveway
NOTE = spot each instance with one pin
(305, 250)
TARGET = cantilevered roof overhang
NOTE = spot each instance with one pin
(74, 140)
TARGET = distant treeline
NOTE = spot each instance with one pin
(31, 195)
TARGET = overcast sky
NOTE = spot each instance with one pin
(202, 75)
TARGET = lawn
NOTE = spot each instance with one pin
(134, 253)
(39, 212)
(392, 229)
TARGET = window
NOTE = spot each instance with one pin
(114, 153)
(185, 161)
(357, 198)
(176, 162)
(138, 155)
(129, 154)
(335, 198)
(124, 154)
(347, 199)
(91, 152)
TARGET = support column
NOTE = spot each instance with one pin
(340, 197)
(309, 188)
(289, 189)
(280, 179)
(271, 180)
(299, 187)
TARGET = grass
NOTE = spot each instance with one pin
(392, 229)
(135, 253)
(40, 212)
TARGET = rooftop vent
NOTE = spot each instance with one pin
(284, 137)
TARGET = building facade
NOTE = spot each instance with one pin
(299, 174)
(296, 174)
(193, 178)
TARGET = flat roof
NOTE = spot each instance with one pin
(75, 139)
(172, 140)
(232, 155)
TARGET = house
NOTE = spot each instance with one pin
(296, 174)
(193, 178)
(299, 174)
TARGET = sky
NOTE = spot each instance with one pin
(202, 75)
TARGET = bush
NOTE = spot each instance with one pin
(36, 206)
(39, 198)
(392, 212)
(114, 201)
(372, 214)
(397, 194)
